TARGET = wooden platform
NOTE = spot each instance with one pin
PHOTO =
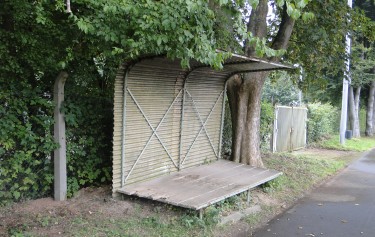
(198, 187)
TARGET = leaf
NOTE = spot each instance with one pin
(16, 194)
(254, 3)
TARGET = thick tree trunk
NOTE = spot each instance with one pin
(244, 91)
(244, 94)
(370, 111)
(354, 110)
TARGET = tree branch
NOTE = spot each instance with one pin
(285, 31)
(257, 24)
(68, 10)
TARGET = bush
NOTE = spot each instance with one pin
(267, 116)
(89, 122)
(227, 131)
(322, 121)
(26, 142)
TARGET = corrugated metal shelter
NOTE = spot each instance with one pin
(168, 119)
(290, 127)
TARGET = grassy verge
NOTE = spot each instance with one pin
(354, 144)
(95, 217)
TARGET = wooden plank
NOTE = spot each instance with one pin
(201, 186)
(229, 190)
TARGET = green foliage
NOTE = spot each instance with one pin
(266, 125)
(311, 40)
(227, 131)
(36, 42)
(25, 142)
(179, 29)
(322, 121)
(89, 135)
(273, 185)
(355, 144)
(314, 167)
(279, 89)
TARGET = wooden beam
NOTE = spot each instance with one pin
(60, 177)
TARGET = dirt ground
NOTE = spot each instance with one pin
(45, 217)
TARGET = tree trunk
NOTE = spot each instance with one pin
(370, 111)
(354, 110)
(244, 95)
(244, 91)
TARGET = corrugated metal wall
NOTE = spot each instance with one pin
(204, 94)
(160, 111)
(289, 128)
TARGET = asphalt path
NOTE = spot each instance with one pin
(343, 207)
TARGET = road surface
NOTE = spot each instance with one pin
(343, 207)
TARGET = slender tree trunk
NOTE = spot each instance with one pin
(354, 110)
(370, 111)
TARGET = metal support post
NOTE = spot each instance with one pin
(201, 213)
(248, 197)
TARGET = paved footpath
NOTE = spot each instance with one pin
(343, 207)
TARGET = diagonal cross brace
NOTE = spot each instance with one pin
(154, 131)
(203, 125)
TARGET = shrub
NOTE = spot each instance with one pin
(26, 142)
(266, 125)
(322, 121)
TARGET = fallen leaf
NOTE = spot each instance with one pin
(344, 221)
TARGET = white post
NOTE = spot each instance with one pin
(345, 85)
(60, 177)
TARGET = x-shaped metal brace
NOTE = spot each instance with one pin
(154, 131)
(203, 124)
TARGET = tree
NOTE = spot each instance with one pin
(364, 56)
(244, 91)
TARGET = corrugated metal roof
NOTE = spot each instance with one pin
(239, 63)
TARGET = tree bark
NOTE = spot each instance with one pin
(370, 111)
(354, 110)
(244, 95)
(244, 91)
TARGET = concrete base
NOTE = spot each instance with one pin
(240, 214)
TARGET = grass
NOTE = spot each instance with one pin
(354, 144)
